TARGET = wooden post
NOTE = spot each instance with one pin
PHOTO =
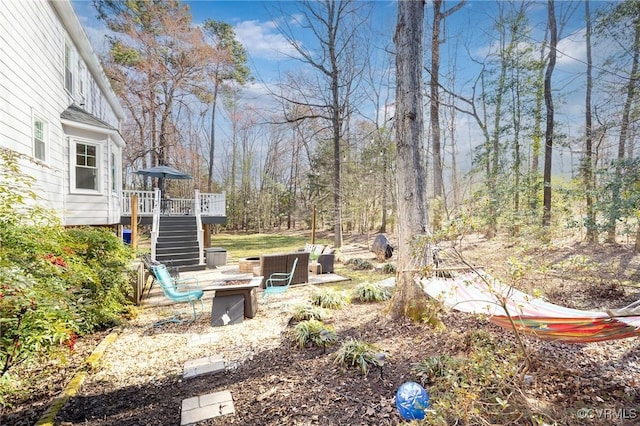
(134, 222)
(313, 226)
(206, 231)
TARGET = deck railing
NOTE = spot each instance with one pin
(209, 204)
(151, 203)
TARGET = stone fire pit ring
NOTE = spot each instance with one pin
(248, 263)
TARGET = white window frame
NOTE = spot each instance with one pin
(69, 61)
(44, 140)
(74, 165)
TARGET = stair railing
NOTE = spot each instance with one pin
(155, 227)
(200, 233)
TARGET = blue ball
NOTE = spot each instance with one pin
(412, 400)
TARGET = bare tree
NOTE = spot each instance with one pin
(335, 26)
(434, 109)
(413, 218)
(156, 58)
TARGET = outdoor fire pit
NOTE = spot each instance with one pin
(228, 296)
(247, 264)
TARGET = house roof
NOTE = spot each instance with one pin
(76, 117)
(77, 114)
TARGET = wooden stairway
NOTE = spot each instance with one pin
(177, 244)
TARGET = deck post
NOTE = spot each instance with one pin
(134, 221)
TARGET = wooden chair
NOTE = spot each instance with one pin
(274, 285)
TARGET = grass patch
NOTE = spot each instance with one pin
(239, 246)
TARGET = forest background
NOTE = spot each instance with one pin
(530, 110)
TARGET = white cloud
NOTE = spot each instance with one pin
(572, 50)
(262, 40)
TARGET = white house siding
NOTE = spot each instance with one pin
(32, 48)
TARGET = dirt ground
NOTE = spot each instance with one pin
(273, 383)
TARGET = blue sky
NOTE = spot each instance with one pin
(255, 23)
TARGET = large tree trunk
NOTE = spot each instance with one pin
(413, 219)
(548, 100)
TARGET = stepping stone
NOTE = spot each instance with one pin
(201, 339)
(205, 407)
(197, 367)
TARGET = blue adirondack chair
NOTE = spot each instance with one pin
(279, 282)
(178, 290)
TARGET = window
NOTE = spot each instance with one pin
(80, 79)
(114, 173)
(68, 68)
(86, 176)
(39, 139)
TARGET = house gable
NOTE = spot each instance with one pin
(47, 69)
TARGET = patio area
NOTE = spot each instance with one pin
(209, 277)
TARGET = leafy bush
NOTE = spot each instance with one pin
(329, 298)
(478, 384)
(56, 283)
(313, 333)
(363, 355)
(33, 317)
(371, 292)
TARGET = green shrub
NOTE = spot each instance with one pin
(34, 317)
(437, 367)
(478, 384)
(329, 298)
(313, 333)
(359, 354)
(55, 283)
(371, 292)
(389, 268)
(359, 264)
(308, 312)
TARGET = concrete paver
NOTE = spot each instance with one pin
(205, 365)
(207, 406)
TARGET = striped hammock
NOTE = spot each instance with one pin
(479, 293)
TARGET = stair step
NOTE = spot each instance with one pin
(173, 238)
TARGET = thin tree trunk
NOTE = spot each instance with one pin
(548, 100)
(434, 106)
(592, 234)
(624, 128)
(212, 140)
(537, 132)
